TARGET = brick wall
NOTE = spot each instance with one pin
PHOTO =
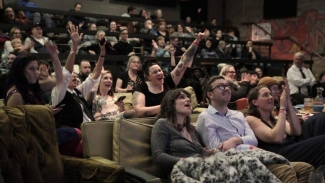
(308, 28)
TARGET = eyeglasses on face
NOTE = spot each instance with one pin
(221, 87)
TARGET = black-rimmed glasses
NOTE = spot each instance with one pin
(221, 87)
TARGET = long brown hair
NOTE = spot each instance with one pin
(168, 111)
(111, 91)
(252, 109)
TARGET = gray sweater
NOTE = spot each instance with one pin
(168, 145)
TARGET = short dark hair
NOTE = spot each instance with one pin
(77, 3)
(147, 64)
(208, 86)
(83, 60)
(131, 8)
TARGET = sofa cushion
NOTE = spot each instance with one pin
(131, 146)
(97, 139)
(28, 145)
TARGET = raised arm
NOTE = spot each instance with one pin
(99, 65)
(265, 133)
(76, 39)
(186, 59)
(49, 82)
(293, 128)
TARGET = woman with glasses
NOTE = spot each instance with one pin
(132, 77)
(148, 96)
(238, 89)
(15, 33)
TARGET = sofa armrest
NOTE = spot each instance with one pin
(78, 170)
(132, 174)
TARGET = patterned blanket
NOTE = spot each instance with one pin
(229, 167)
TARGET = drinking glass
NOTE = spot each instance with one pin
(316, 177)
(307, 105)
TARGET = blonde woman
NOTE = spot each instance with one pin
(132, 77)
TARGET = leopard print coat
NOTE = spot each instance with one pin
(230, 167)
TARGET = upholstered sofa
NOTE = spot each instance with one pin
(29, 151)
(125, 141)
(195, 106)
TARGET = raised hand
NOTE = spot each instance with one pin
(283, 98)
(246, 77)
(51, 48)
(201, 35)
(154, 45)
(172, 50)
(74, 35)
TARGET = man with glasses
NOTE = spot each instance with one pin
(222, 128)
(123, 47)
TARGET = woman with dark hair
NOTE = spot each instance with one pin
(105, 105)
(283, 135)
(162, 30)
(183, 32)
(208, 51)
(173, 137)
(148, 96)
(23, 86)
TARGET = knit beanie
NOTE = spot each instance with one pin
(267, 81)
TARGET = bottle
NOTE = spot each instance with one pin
(318, 100)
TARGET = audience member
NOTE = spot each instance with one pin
(300, 80)
(222, 128)
(208, 51)
(162, 30)
(5, 67)
(283, 135)
(144, 14)
(173, 41)
(148, 28)
(222, 51)
(147, 96)
(259, 72)
(23, 86)
(69, 93)
(218, 35)
(183, 33)
(158, 15)
(131, 12)
(10, 17)
(76, 20)
(133, 76)
(38, 40)
(235, 49)
(36, 17)
(163, 49)
(123, 47)
(105, 106)
(95, 49)
(15, 33)
(238, 89)
(173, 137)
(84, 70)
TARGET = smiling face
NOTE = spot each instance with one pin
(16, 43)
(231, 73)
(135, 64)
(259, 72)
(73, 81)
(183, 105)
(265, 100)
(253, 80)
(16, 34)
(156, 75)
(208, 44)
(9, 13)
(106, 82)
(112, 26)
(31, 72)
(161, 42)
